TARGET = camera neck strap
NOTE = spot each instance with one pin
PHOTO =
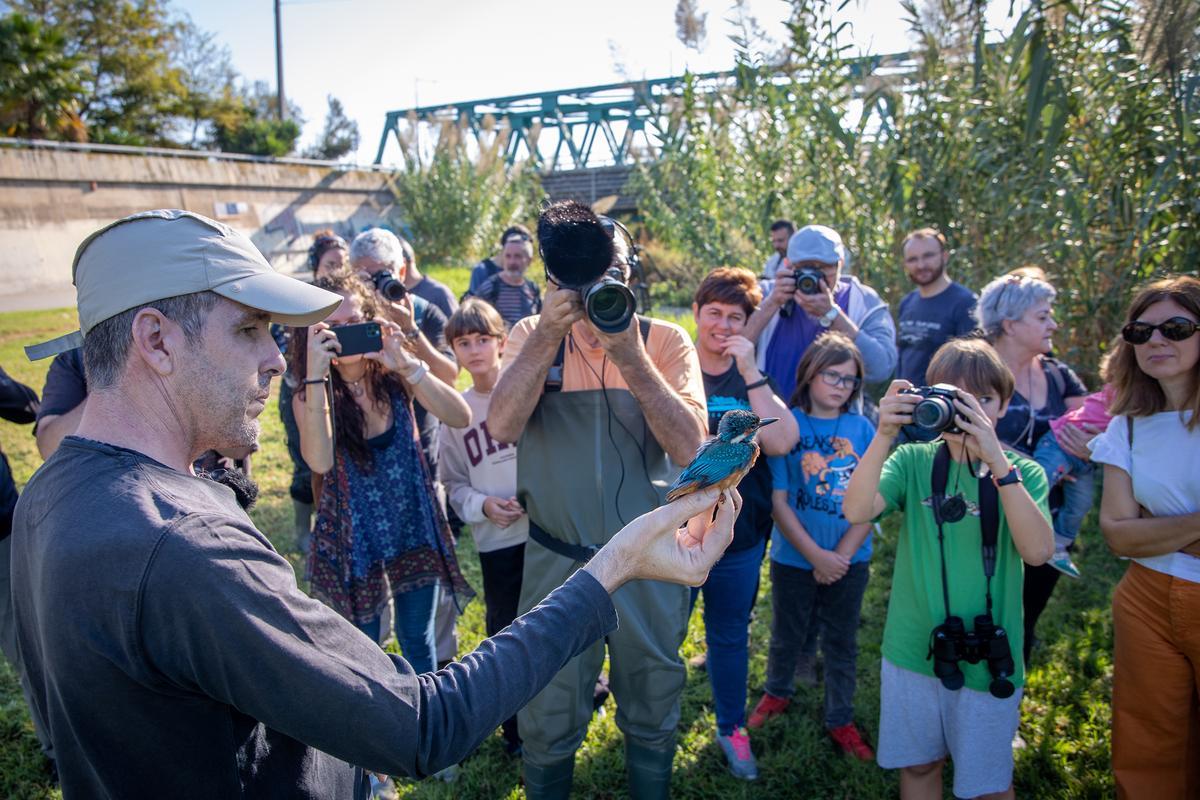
(554, 376)
(989, 521)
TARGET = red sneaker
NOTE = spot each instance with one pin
(768, 707)
(850, 740)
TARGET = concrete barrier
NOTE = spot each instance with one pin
(53, 196)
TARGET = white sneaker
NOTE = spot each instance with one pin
(382, 788)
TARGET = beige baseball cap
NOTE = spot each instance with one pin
(165, 253)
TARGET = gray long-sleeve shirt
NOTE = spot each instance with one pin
(173, 655)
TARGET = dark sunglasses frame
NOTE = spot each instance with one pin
(1176, 329)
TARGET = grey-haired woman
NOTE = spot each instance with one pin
(1016, 313)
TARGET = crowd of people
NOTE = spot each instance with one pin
(557, 456)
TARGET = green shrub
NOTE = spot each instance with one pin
(454, 203)
(1066, 144)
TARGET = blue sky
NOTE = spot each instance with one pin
(377, 56)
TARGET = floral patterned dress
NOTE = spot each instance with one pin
(379, 531)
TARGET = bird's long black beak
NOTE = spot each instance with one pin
(765, 421)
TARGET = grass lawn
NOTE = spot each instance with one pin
(1065, 714)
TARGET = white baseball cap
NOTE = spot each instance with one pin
(154, 255)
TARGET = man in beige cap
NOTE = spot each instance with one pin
(167, 645)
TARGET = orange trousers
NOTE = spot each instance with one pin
(1156, 686)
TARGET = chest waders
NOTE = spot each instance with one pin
(587, 464)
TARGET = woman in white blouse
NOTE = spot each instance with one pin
(1150, 513)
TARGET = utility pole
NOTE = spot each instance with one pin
(280, 102)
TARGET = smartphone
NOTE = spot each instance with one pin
(365, 337)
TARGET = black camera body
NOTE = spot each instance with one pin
(389, 285)
(936, 412)
(808, 280)
(950, 643)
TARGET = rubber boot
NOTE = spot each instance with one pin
(302, 513)
(649, 771)
(551, 782)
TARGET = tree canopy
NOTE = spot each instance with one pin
(135, 72)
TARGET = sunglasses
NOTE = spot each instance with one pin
(1176, 329)
(831, 378)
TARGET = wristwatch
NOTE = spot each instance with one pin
(828, 317)
(1013, 476)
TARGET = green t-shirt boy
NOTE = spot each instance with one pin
(916, 604)
(921, 721)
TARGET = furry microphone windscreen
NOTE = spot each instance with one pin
(575, 246)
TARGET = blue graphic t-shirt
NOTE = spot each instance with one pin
(815, 475)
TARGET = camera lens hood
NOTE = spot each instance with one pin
(609, 305)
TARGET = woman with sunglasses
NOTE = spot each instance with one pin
(1016, 313)
(1150, 513)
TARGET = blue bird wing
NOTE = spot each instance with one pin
(714, 462)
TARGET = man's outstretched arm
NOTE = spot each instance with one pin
(291, 662)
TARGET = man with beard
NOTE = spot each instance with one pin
(167, 644)
(781, 233)
(937, 310)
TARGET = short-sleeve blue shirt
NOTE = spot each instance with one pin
(815, 474)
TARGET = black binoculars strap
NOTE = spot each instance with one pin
(989, 520)
(554, 376)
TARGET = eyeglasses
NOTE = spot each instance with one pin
(831, 378)
(1176, 329)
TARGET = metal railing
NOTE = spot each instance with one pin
(172, 152)
(599, 125)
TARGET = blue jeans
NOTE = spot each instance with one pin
(414, 626)
(729, 596)
(794, 594)
(1077, 494)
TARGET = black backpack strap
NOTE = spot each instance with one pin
(554, 376)
(1129, 431)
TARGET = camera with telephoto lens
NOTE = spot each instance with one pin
(577, 250)
(609, 303)
(808, 280)
(950, 643)
(936, 412)
(389, 285)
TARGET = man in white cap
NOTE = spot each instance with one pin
(167, 645)
(810, 295)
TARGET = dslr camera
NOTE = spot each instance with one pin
(936, 412)
(389, 285)
(808, 280)
(950, 643)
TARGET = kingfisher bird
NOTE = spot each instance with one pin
(726, 458)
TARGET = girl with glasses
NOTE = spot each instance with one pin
(1150, 513)
(819, 562)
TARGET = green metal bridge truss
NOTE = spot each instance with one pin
(591, 126)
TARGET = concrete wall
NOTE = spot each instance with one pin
(50, 200)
